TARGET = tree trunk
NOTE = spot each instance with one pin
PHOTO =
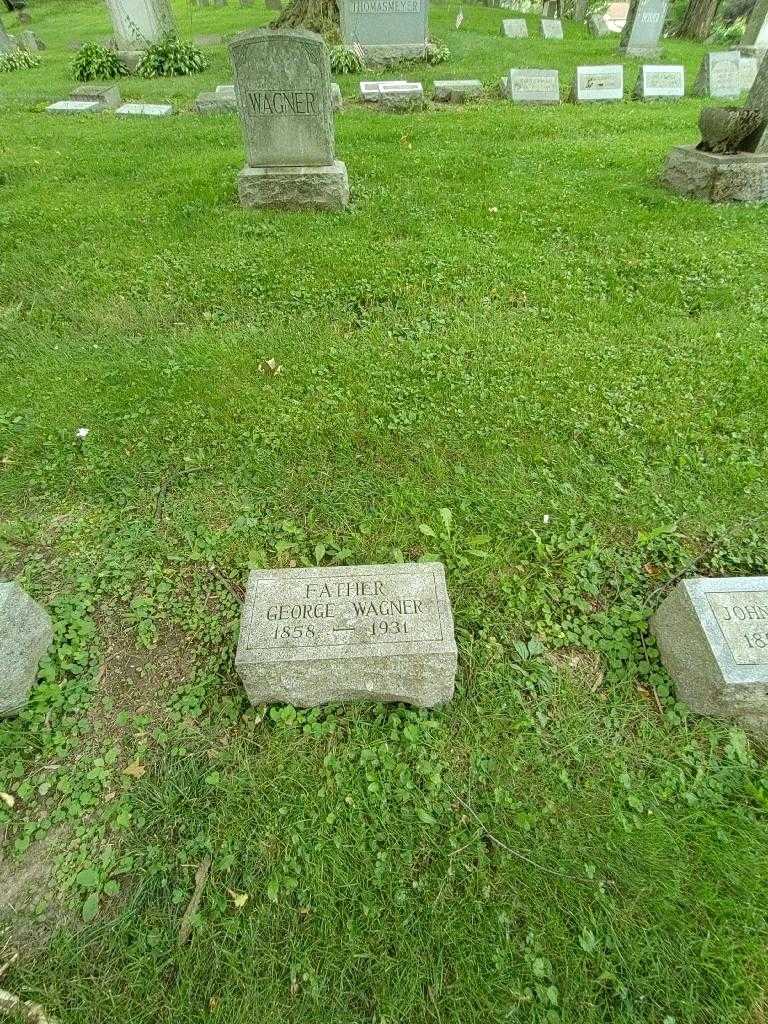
(580, 10)
(317, 15)
(697, 20)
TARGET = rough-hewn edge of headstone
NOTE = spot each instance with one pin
(715, 178)
(295, 188)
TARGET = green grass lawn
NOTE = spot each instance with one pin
(514, 353)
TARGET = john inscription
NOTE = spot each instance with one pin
(743, 619)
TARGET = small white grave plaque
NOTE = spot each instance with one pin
(532, 85)
(514, 28)
(366, 632)
(661, 81)
(598, 82)
(74, 107)
(145, 110)
(551, 28)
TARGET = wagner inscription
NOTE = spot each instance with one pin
(327, 611)
(284, 102)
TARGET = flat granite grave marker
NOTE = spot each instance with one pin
(145, 110)
(551, 28)
(365, 632)
(718, 75)
(385, 30)
(645, 24)
(594, 83)
(283, 88)
(514, 28)
(735, 170)
(107, 96)
(755, 40)
(25, 635)
(370, 92)
(458, 90)
(660, 81)
(74, 107)
(31, 42)
(531, 85)
(713, 639)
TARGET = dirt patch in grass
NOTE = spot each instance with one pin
(585, 665)
(25, 883)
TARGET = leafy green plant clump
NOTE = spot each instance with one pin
(171, 57)
(93, 61)
(344, 61)
(17, 60)
(436, 52)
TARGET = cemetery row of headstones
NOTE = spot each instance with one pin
(310, 636)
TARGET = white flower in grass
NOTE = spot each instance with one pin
(82, 432)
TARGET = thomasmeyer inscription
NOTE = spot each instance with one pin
(383, 633)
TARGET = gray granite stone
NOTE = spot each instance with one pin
(747, 72)
(25, 635)
(369, 632)
(718, 75)
(402, 97)
(139, 23)
(756, 33)
(283, 86)
(145, 110)
(385, 30)
(551, 28)
(130, 58)
(514, 28)
(713, 639)
(284, 99)
(208, 39)
(660, 81)
(459, 90)
(31, 42)
(645, 23)
(107, 96)
(595, 83)
(716, 178)
(337, 103)
(535, 86)
(295, 188)
(758, 100)
(212, 103)
(74, 107)
(7, 42)
(25, 18)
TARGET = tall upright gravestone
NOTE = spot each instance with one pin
(385, 30)
(283, 92)
(755, 41)
(137, 24)
(642, 32)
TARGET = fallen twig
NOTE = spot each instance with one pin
(12, 1006)
(9, 963)
(515, 853)
(236, 589)
(201, 876)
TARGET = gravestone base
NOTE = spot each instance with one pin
(460, 90)
(295, 188)
(715, 177)
(641, 51)
(383, 56)
(130, 58)
(215, 103)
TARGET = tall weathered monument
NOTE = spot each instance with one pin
(730, 164)
(755, 41)
(642, 32)
(137, 24)
(283, 91)
(386, 30)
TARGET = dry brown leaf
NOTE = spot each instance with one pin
(8, 800)
(135, 770)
